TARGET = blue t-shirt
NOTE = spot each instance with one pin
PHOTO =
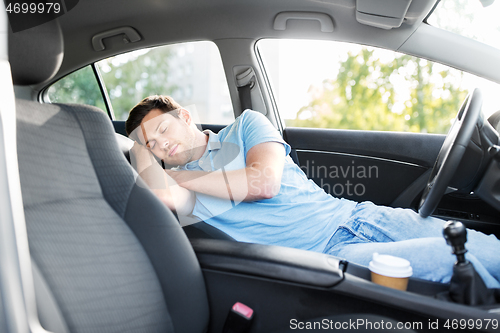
(301, 215)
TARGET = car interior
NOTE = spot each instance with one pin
(86, 247)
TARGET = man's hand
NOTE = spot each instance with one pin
(140, 157)
(163, 186)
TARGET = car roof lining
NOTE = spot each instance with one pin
(175, 21)
(187, 20)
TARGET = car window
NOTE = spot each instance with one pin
(79, 87)
(192, 73)
(329, 84)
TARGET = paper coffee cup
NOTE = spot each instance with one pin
(390, 271)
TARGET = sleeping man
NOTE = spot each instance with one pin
(243, 182)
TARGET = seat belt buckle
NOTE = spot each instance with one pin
(239, 319)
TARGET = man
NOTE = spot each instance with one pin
(243, 182)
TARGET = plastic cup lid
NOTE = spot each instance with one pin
(391, 266)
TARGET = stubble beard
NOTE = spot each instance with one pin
(190, 148)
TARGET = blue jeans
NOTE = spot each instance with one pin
(403, 233)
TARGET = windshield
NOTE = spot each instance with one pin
(476, 19)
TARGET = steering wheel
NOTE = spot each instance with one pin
(451, 152)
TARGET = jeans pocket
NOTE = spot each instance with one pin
(370, 231)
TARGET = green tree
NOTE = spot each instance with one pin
(402, 94)
(457, 16)
(78, 87)
(131, 77)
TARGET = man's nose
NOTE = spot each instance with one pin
(163, 143)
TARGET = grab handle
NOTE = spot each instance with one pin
(130, 36)
(325, 21)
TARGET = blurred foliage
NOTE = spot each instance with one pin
(79, 87)
(133, 76)
(459, 16)
(402, 94)
(129, 78)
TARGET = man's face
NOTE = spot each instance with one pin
(169, 138)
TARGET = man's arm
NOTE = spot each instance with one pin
(260, 179)
(163, 186)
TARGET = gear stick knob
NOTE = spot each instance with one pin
(466, 286)
(456, 235)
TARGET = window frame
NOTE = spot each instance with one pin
(43, 96)
(104, 91)
(268, 88)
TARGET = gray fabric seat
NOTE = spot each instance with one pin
(111, 253)
(107, 254)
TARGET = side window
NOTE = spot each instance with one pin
(348, 86)
(192, 73)
(79, 87)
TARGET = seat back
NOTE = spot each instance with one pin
(107, 254)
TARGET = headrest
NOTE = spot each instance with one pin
(125, 145)
(35, 54)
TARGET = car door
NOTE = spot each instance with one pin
(367, 124)
(366, 165)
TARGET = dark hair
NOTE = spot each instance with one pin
(138, 112)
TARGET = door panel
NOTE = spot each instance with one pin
(417, 148)
(357, 177)
(366, 165)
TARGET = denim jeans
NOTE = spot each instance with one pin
(403, 233)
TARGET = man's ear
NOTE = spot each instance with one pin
(185, 115)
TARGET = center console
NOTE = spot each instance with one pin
(290, 284)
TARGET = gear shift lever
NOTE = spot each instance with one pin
(456, 235)
(466, 286)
